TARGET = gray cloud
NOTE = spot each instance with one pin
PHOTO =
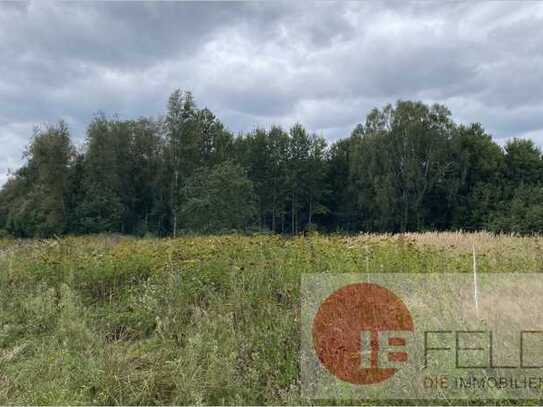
(255, 64)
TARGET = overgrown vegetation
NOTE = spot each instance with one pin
(215, 320)
(408, 167)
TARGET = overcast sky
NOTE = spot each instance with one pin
(323, 64)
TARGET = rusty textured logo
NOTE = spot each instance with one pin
(359, 333)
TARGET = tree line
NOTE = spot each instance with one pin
(407, 167)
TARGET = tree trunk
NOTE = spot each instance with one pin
(174, 203)
(310, 210)
(292, 219)
(262, 218)
(405, 212)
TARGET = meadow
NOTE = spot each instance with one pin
(112, 320)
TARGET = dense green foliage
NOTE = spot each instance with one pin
(408, 167)
(193, 320)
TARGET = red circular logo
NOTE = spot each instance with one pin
(357, 333)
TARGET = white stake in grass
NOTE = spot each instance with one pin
(475, 288)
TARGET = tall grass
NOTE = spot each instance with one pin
(195, 320)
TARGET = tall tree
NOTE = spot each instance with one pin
(306, 177)
(183, 145)
(218, 199)
(523, 162)
(341, 200)
(101, 209)
(475, 188)
(36, 197)
(401, 165)
(406, 167)
(145, 152)
(278, 143)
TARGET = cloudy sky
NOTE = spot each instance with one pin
(324, 64)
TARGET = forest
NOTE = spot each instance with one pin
(406, 167)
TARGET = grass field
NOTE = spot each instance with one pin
(212, 320)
